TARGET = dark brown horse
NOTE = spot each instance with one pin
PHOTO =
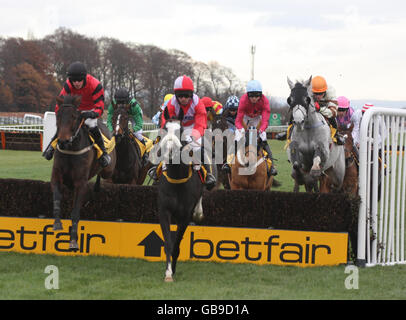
(129, 167)
(350, 183)
(75, 162)
(180, 192)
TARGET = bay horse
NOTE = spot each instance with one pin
(350, 183)
(251, 171)
(75, 162)
(313, 154)
(180, 191)
(129, 167)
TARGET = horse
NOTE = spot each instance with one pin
(75, 162)
(350, 183)
(250, 172)
(219, 124)
(313, 154)
(180, 192)
(129, 167)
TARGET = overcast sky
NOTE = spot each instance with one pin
(358, 46)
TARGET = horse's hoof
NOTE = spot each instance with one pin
(57, 226)
(168, 279)
(73, 245)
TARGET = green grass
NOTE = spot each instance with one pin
(22, 276)
(32, 166)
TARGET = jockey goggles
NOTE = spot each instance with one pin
(184, 94)
(76, 78)
(254, 94)
(342, 109)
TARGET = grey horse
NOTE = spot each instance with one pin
(312, 152)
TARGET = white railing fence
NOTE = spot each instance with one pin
(382, 187)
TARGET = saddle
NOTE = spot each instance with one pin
(288, 134)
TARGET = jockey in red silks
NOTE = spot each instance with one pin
(253, 109)
(194, 121)
(81, 83)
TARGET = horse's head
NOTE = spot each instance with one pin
(120, 119)
(346, 130)
(299, 100)
(68, 120)
(172, 143)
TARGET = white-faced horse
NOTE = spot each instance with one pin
(312, 152)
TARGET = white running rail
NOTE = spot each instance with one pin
(381, 232)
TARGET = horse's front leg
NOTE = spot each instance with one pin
(56, 187)
(164, 220)
(175, 251)
(319, 160)
(81, 189)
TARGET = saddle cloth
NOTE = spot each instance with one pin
(230, 159)
(144, 148)
(108, 143)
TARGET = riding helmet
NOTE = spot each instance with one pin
(343, 102)
(208, 102)
(122, 95)
(77, 71)
(254, 86)
(183, 83)
(319, 84)
(232, 103)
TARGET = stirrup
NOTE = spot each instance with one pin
(105, 160)
(49, 152)
(152, 173)
(226, 167)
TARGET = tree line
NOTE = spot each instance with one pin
(33, 71)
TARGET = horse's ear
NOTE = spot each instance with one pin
(59, 100)
(166, 114)
(308, 82)
(76, 100)
(290, 83)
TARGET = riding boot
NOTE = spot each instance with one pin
(49, 151)
(272, 171)
(210, 178)
(226, 167)
(145, 155)
(284, 135)
(105, 159)
(339, 137)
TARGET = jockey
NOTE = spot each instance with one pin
(81, 83)
(157, 116)
(346, 115)
(211, 106)
(253, 108)
(122, 96)
(195, 120)
(324, 100)
(230, 111)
